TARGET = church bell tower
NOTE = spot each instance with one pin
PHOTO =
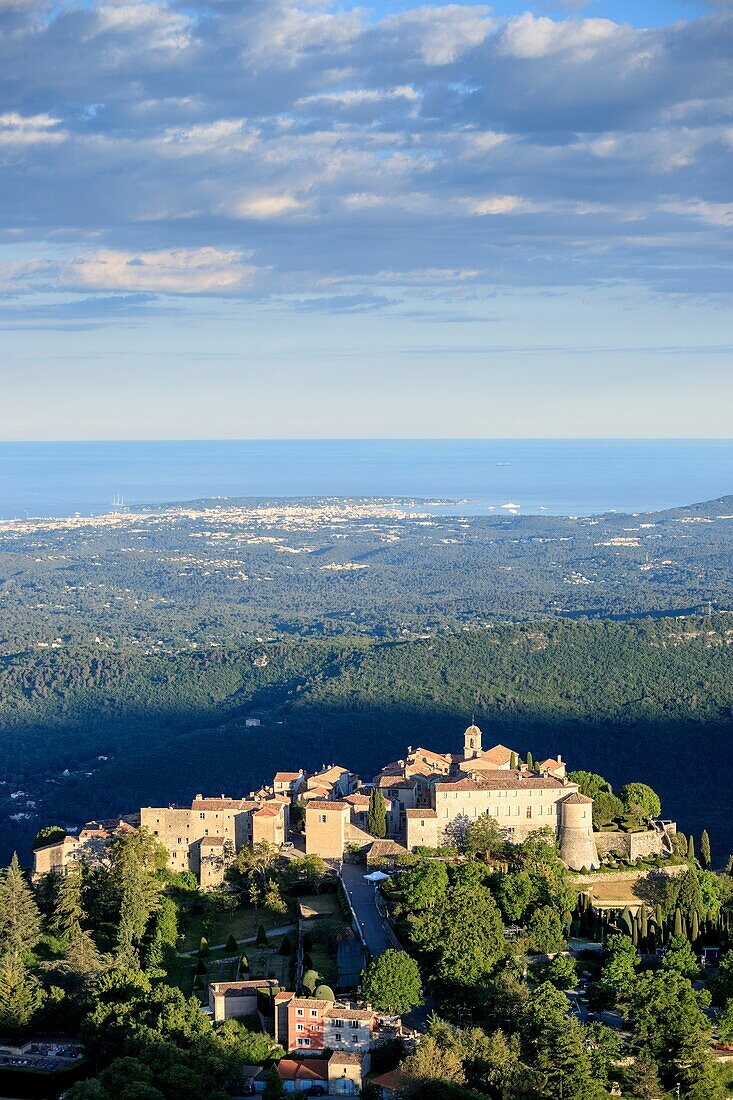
(472, 742)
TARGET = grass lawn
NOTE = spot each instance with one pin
(240, 923)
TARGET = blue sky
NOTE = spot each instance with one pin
(292, 218)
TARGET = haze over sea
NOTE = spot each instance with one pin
(557, 477)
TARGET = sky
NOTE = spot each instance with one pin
(311, 218)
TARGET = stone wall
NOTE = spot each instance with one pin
(630, 846)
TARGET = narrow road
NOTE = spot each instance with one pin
(377, 935)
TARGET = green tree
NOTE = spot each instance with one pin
(590, 784)
(261, 940)
(49, 834)
(392, 982)
(134, 862)
(273, 900)
(618, 975)
(680, 956)
(515, 893)
(561, 972)
(324, 993)
(68, 908)
(640, 801)
(21, 996)
(705, 854)
(667, 1016)
(483, 837)
(20, 919)
(377, 814)
(644, 1076)
(606, 807)
(423, 885)
(464, 934)
(545, 931)
(274, 1088)
(691, 847)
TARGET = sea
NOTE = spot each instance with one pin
(469, 476)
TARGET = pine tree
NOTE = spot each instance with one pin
(68, 910)
(705, 855)
(377, 814)
(20, 996)
(133, 866)
(20, 918)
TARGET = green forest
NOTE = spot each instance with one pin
(86, 735)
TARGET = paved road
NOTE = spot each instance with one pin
(376, 934)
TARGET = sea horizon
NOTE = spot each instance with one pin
(532, 475)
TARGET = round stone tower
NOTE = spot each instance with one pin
(472, 742)
(577, 846)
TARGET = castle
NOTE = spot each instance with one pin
(430, 798)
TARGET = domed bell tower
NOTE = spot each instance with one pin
(472, 742)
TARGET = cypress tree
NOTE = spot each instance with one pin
(658, 917)
(377, 814)
(513, 761)
(20, 918)
(261, 940)
(678, 929)
(695, 928)
(203, 947)
(530, 761)
(644, 926)
(705, 855)
(691, 847)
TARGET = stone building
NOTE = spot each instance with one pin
(326, 828)
(205, 836)
(88, 844)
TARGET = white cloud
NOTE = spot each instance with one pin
(529, 36)
(267, 206)
(712, 213)
(443, 34)
(172, 271)
(18, 129)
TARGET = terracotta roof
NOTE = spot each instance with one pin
(502, 781)
(343, 1012)
(386, 848)
(357, 799)
(393, 1080)
(345, 1058)
(240, 989)
(395, 781)
(287, 777)
(291, 1070)
(552, 765)
(576, 799)
(269, 810)
(213, 841)
(333, 773)
(316, 792)
(421, 813)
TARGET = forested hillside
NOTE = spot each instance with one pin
(648, 699)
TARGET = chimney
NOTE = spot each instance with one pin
(559, 758)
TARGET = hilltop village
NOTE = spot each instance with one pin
(459, 925)
(429, 798)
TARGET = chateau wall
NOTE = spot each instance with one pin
(629, 846)
(325, 829)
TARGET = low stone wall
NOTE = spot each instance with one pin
(626, 876)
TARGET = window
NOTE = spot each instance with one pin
(299, 1012)
(337, 1037)
(303, 1042)
(354, 1023)
(529, 811)
(338, 1024)
(314, 1013)
(300, 1027)
(323, 818)
(202, 815)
